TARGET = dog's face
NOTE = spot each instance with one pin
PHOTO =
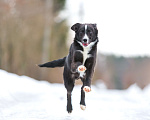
(85, 33)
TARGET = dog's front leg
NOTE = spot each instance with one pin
(90, 64)
(76, 61)
(74, 66)
(85, 88)
(82, 101)
(87, 81)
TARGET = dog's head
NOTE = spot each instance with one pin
(85, 33)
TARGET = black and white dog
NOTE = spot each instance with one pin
(80, 62)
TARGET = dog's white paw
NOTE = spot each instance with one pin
(83, 107)
(87, 89)
(81, 68)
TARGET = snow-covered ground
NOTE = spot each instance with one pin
(23, 98)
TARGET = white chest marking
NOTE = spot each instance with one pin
(85, 52)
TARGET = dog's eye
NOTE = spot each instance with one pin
(81, 33)
(90, 33)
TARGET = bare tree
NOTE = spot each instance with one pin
(47, 33)
(47, 29)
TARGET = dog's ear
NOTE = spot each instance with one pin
(75, 27)
(95, 26)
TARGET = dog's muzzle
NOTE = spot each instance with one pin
(85, 42)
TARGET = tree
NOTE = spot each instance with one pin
(27, 35)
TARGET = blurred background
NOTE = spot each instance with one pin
(38, 31)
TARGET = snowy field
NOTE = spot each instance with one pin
(23, 98)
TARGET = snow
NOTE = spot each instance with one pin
(24, 98)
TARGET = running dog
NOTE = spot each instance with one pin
(80, 62)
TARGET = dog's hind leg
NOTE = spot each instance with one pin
(69, 86)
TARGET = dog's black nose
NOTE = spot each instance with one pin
(84, 40)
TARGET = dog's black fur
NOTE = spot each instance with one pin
(82, 53)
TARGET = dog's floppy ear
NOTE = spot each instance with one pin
(95, 26)
(75, 27)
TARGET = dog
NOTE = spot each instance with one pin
(80, 62)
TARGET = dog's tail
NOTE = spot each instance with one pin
(55, 63)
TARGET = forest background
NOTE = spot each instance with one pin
(33, 32)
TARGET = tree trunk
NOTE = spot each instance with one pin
(47, 33)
